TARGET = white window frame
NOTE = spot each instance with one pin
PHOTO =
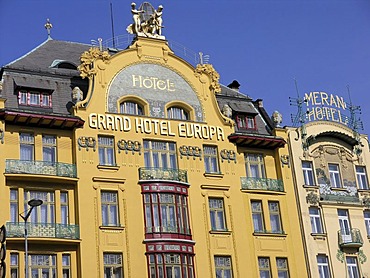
(217, 214)
(160, 154)
(223, 266)
(308, 172)
(106, 147)
(177, 113)
(335, 176)
(27, 145)
(275, 215)
(256, 162)
(257, 216)
(316, 221)
(49, 148)
(211, 163)
(367, 221)
(352, 267)
(113, 265)
(110, 208)
(282, 267)
(49, 263)
(131, 108)
(264, 267)
(323, 266)
(362, 181)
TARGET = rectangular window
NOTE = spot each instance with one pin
(132, 108)
(254, 165)
(223, 267)
(367, 221)
(42, 266)
(106, 150)
(66, 264)
(64, 208)
(315, 218)
(352, 267)
(245, 122)
(109, 208)
(323, 266)
(160, 154)
(170, 265)
(264, 267)
(217, 214)
(27, 148)
(44, 213)
(282, 267)
(345, 225)
(113, 265)
(275, 220)
(308, 173)
(14, 265)
(257, 215)
(49, 148)
(361, 177)
(211, 159)
(14, 205)
(335, 180)
(34, 98)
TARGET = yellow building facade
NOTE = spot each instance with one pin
(152, 169)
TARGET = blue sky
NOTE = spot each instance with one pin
(265, 45)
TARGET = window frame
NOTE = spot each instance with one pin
(66, 266)
(353, 268)
(308, 173)
(131, 107)
(52, 266)
(367, 221)
(246, 121)
(49, 148)
(275, 215)
(255, 161)
(27, 145)
(211, 159)
(223, 264)
(34, 98)
(335, 176)
(159, 263)
(282, 266)
(47, 208)
(108, 206)
(361, 177)
(106, 149)
(323, 267)
(177, 112)
(160, 154)
(264, 267)
(14, 265)
(260, 216)
(316, 221)
(117, 265)
(217, 214)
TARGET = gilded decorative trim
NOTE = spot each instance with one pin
(86, 142)
(285, 160)
(228, 155)
(129, 145)
(212, 73)
(88, 59)
(190, 151)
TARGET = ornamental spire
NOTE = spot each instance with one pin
(48, 26)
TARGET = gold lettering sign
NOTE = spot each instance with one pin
(153, 83)
(155, 126)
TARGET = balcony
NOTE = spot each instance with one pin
(43, 230)
(350, 238)
(15, 166)
(147, 173)
(262, 184)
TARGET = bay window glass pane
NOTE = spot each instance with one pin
(49, 148)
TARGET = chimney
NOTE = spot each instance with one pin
(234, 85)
(259, 102)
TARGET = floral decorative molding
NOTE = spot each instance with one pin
(312, 198)
(285, 160)
(361, 256)
(340, 256)
(1, 136)
(366, 201)
(190, 151)
(88, 59)
(129, 145)
(212, 73)
(228, 155)
(86, 142)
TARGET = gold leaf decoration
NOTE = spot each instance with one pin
(87, 61)
(212, 73)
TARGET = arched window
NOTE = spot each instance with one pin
(132, 108)
(177, 113)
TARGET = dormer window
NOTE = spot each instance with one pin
(34, 98)
(177, 113)
(132, 108)
(245, 121)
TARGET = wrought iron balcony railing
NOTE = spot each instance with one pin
(147, 173)
(350, 238)
(39, 230)
(262, 184)
(264, 231)
(15, 166)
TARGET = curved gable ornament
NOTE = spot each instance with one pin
(209, 70)
(88, 60)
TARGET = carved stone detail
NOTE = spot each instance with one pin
(212, 73)
(361, 256)
(86, 142)
(129, 145)
(285, 160)
(340, 256)
(190, 151)
(1, 136)
(88, 58)
(312, 198)
(228, 155)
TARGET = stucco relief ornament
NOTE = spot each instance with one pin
(88, 58)
(227, 111)
(212, 73)
(312, 198)
(277, 118)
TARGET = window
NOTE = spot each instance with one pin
(34, 98)
(315, 218)
(361, 177)
(66, 264)
(166, 213)
(14, 205)
(109, 208)
(367, 221)
(26, 146)
(42, 266)
(177, 113)
(245, 121)
(323, 266)
(171, 265)
(49, 146)
(14, 265)
(345, 225)
(308, 173)
(223, 267)
(352, 267)
(44, 213)
(275, 221)
(217, 214)
(106, 150)
(282, 267)
(64, 208)
(113, 265)
(160, 154)
(257, 215)
(264, 267)
(334, 174)
(254, 165)
(132, 108)
(210, 159)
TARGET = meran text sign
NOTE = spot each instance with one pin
(155, 126)
(325, 107)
